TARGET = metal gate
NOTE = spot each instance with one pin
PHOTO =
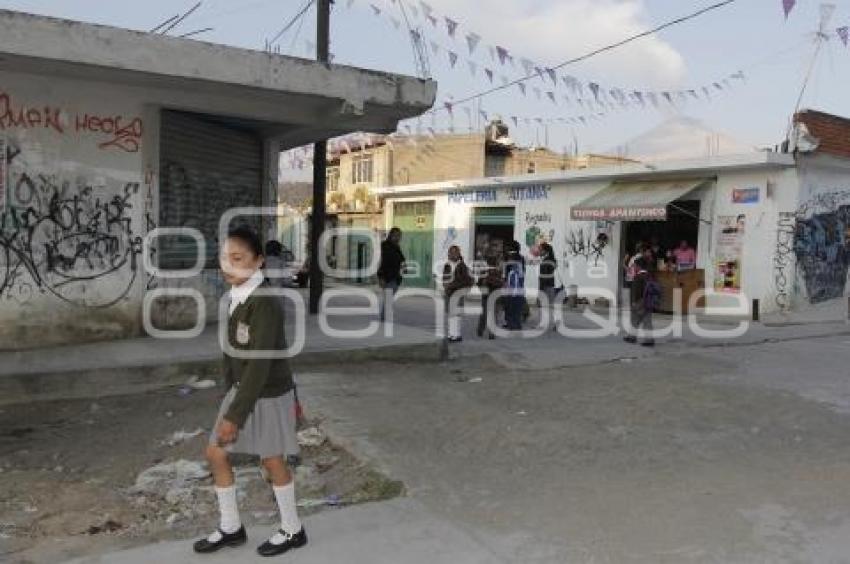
(416, 221)
(206, 168)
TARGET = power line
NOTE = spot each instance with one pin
(176, 22)
(292, 22)
(595, 52)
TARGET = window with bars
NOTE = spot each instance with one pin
(333, 180)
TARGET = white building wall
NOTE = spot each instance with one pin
(80, 197)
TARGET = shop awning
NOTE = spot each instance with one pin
(494, 216)
(634, 201)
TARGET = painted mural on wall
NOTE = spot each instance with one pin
(817, 237)
(538, 230)
(64, 228)
(587, 243)
(822, 245)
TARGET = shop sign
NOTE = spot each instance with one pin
(421, 221)
(529, 192)
(730, 246)
(658, 213)
(745, 195)
(472, 196)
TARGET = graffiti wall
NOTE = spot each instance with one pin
(73, 213)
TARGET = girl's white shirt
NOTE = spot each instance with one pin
(240, 294)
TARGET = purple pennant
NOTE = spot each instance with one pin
(694, 94)
(452, 58)
(707, 93)
(451, 27)
(668, 97)
(483, 114)
(515, 120)
(502, 53)
(595, 89)
(489, 74)
(552, 75)
(653, 98)
(843, 34)
(450, 107)
(375, 9)
(716, 85)
(472, 40)
(432, 19)
(527, 66)
(521, 87)
(551, 97)
(739, 75)
(788, 5)
(639, 97)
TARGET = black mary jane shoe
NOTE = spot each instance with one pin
(204, 546)
(297, 540)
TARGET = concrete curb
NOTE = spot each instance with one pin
(121, 380)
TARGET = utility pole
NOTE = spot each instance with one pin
(317, 219)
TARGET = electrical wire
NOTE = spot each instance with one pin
(595, 52)
(297, 17)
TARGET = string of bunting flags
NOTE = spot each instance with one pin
(549, 84)
(842, 32)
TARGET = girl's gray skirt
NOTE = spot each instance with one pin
(269, 430)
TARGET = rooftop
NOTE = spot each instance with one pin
(298, 100)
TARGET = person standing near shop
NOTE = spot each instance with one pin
(456, 277)
(490, 282)
(257, 415)
(515, 286)
(645, 295)
(548, 267)
(390, 267)
(685, 256)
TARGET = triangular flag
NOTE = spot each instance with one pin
(426, 8)
(668, 97)
(449, 107)
(452, 58)
(515, 120)
(788, 5)
(527, 66)
(552, 75)
(716, 85)
(489, 74)
(551, 97)
(583, 120)
(567, 99)
(473, 68)
(707, 93)
(483, 114)
(639, 97)
(843, 34)
(451, 27)
(492, 51)
(503, 54)
(521, 87)
(472, 40)
(349, 3)
(739, 75)
(434, 47)
(694, 94)
(595, 89)
(396, 22)
(726, 83)
(653, 98)
(376, 9)
(431, 19)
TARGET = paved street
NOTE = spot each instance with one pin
(522, 451)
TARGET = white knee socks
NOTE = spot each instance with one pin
(230, 522)
(285, 496)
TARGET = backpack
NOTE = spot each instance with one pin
(652, 294)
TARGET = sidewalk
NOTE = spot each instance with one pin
(390, 532)
(133, 365)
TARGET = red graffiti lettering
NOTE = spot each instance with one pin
(125, 137)
(27, 118)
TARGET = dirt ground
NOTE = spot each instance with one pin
(70, 480)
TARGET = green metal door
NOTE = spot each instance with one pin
(416, 221)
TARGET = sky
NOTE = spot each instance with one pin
(752, 36)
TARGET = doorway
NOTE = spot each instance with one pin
(494, 227)
(682, 224)
(416, 221)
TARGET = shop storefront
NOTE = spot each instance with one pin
(728, 211)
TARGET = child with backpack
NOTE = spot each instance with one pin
(645, 295)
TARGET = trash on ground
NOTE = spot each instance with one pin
(109, 526)
(171, 478)
(198, 384)
(181, 436)
(476, 380)
(311, 437)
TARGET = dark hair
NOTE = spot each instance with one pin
(249, 237)
(273, 248)
(393, 231)
(642, 263)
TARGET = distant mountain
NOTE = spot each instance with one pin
(680, 138)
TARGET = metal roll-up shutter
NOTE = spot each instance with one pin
(494, 216)
(206, 168)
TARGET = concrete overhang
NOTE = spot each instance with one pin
(662, 170)
(295, 100)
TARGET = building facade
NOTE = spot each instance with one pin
(107, 135)
(768, 226)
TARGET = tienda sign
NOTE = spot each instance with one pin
(645, 213)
